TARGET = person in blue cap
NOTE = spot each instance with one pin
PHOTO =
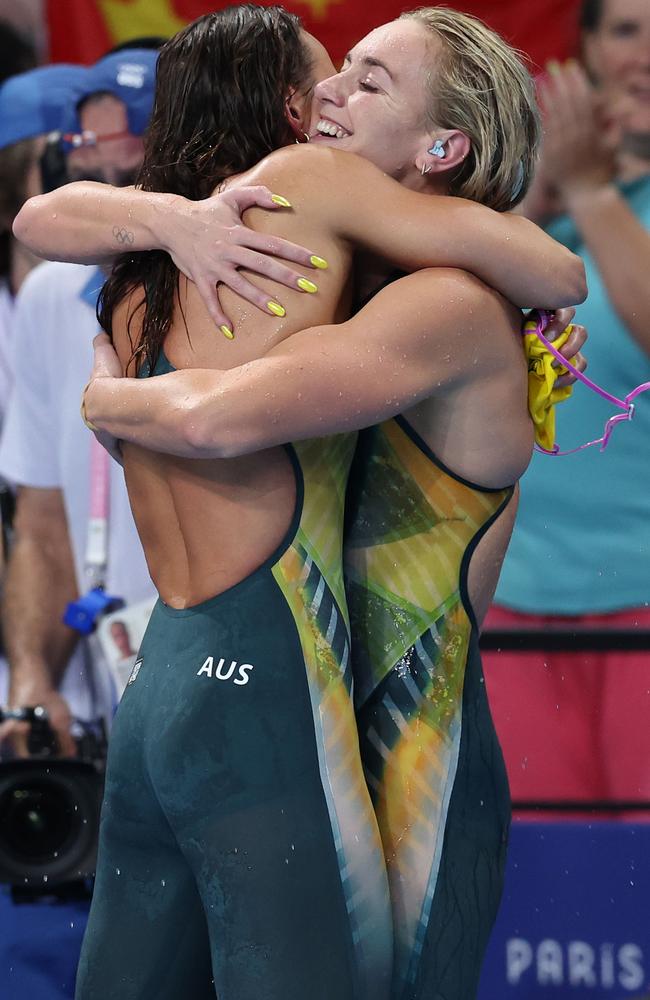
(99, 114)
(32, 104)
(101, 126)
(103, 132)
(36, 102)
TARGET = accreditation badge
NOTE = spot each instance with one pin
(120, 634)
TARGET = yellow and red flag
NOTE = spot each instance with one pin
(82, 30)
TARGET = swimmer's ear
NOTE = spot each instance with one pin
(294, 109)
(445, 151)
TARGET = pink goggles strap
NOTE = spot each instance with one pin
(626, 405)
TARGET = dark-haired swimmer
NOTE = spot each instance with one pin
(253, 827)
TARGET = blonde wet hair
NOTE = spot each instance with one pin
(481, 86)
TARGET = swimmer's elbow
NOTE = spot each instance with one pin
(200, 438)
(576, 281)
(205, 436)
(25, 224)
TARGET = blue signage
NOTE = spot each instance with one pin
(575, 916)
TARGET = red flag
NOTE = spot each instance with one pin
(82, 30)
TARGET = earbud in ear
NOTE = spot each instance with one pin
(438, 149)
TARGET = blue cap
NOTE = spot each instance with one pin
(37, 102)
(129, 75)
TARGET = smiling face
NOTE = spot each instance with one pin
(618, 55)
(375, 106)
(112, 160)
(299, 101)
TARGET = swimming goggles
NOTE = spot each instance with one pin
(536, 324)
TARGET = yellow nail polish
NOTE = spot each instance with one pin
(276, 308)
(553, 67)
(279, 200)
(307, 285)
(318, 262)
(227, 332)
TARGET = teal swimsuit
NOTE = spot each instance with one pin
(239, 853)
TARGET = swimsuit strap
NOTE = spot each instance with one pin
(542, 318)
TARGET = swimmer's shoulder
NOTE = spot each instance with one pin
(442, 302)
(319, 174)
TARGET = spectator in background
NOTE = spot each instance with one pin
(46, 450)
(16, 56)
(32, 104)
(575, 725)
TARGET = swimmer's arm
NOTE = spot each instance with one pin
(507, 252)
(419, 336)
(90, 223)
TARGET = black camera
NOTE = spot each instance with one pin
(49, 806)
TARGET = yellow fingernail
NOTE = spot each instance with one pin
(553, 67)
(307, 285)
(571, 63)
(279, 200)
(318, 262)
(276, 308)
(227, 332)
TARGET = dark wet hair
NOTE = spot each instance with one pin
(221, 86)
(591, 14)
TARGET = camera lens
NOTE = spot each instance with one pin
(38, 820)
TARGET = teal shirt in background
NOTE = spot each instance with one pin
(581, 543)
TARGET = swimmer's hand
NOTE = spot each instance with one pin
(209, 243)
(106, 364)
(571, 350)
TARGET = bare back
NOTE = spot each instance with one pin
(205, 525)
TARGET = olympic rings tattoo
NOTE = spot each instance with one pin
(123, 235)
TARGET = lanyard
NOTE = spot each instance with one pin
(96, 557)
(625, 405)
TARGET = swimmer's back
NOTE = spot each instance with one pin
(205, 525)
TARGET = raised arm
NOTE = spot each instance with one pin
(90, 223)
(95, 222)
(507, 252)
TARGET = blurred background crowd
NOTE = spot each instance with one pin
(571, 698)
